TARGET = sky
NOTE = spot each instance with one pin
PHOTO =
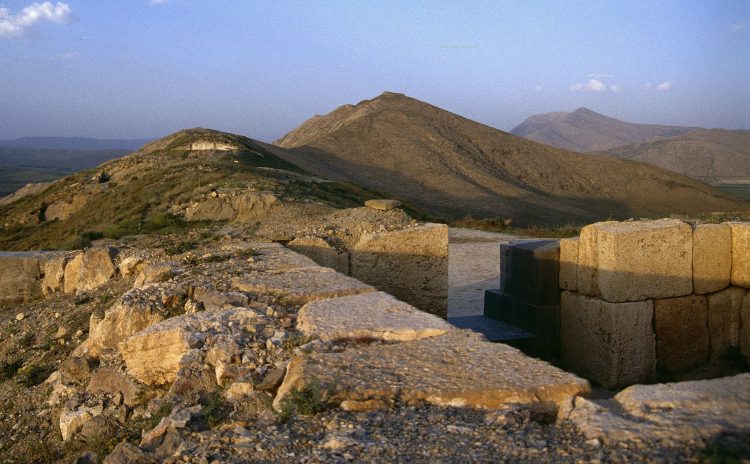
(146, 68)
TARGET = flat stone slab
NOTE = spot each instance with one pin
(375, 315)
(276, 257)
(492, 329)
(682, 412)
(302, 286)
(456, 369)
(383, 205)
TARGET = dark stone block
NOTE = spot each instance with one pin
(543, 321)
(532, 271)
(497, 305)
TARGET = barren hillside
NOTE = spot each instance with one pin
(452, 166)
(585, 130)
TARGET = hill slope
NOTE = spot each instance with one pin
(714, 155)
(585, 130)
(150, 190)
(452, 166)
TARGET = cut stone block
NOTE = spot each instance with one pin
(374, 315)
(690, 413)
(712, 257)
(19, 277)
(277, 258)
(724, 319)
(612, 343)
(745, 327)
(534, 270)
(498, 305)
(569, 264)
(410, 264)
(740, 253)
(303, 285)
(543, 321)
(681, 332)
(321, 252)
(636, 260)
(456, 369)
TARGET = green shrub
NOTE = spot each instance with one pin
(311, 399)
(31, 376)
(9, 369)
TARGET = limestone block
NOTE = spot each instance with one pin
(612, 343)
(303, 285)
(374, 315)
(132, 265)
(457, 369)
(321, 252)
(97, 267)
(133, 312)
(154, 273)
(214, 300)
(410, 264)
(71, 422)
(724, 319)
(19, 277)
(569, 263)
(636, 260)
(685, 413)
(275, 257)
(681, 332)
(745, 327)
(53, 269)
(712, 257)
(72, 273)
(383, 205)
(740, 253)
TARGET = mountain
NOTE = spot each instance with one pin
(215, 175)
(584, 130)
(74, 143)
(20, 166)
(714, 155)
(451, 166)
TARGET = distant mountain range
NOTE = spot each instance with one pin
(74, 143)
(451, 166)
(584, 130)
(711, 155)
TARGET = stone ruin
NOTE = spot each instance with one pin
(626, 299)
(211, 145)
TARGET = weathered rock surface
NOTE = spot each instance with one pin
(277, 258)
(740, 253)
(569, 264)
(745, 327)
(411, 264)
(681, 332)
(154, 355)
(112, 381)
(456, 369)
(612, 343)
(635, 261)
(72, 272)
(239, 206)
(97, 267)
(19, 277)
(374, 315)
(302, 285)
(712, 257)
(155, 273)
(724, 319)
(676, 413)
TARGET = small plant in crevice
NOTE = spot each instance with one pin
(311, 399)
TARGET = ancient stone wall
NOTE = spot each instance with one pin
(31, 275)
(209, 145)
(411, 264)
(636, 296)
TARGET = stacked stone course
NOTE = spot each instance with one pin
(642, 295)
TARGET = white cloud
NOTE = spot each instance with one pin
(15, 25)
(664, 86)
(614, 88)
(593, 85)
(738, 26)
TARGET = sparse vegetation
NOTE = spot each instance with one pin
(504, 225)
(311, 399)
(31, 376)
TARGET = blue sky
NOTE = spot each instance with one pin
(145, 68)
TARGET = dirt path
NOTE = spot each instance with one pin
(474, 266)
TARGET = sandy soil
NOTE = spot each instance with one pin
(474, 266)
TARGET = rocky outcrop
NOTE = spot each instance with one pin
(23, 275)
(241, 206)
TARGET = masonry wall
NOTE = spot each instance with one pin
(645, 295)
(411, 264)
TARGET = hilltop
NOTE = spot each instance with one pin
(714, 155)
(190, 176)
(451, 166)
(584, 130)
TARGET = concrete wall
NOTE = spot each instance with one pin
(411, 263)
